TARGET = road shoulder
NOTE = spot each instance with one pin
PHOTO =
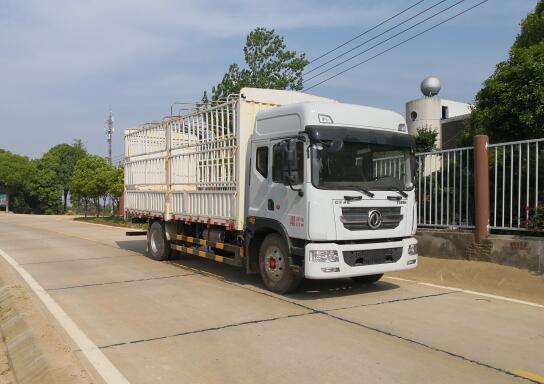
(36, 350)
(478, 276)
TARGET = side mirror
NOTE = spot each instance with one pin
(289, 161)
(335, 146)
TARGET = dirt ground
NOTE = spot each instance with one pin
(64, 366)
(6, 375)
(479, 276)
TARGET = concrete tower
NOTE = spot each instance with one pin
(431, 112)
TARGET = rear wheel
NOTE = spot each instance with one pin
(275, 267)
(369, 279)
(158, 247)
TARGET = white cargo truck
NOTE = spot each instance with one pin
(282, 183)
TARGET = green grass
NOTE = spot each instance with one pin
(116, 221)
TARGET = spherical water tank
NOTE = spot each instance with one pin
(430, 86)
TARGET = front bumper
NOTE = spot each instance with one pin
(335, 270)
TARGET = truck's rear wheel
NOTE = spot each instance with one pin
(369, 279)
(274, 265)
(158, 247)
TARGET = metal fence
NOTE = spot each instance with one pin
(445, 186)
(394, 166)
(515, 174)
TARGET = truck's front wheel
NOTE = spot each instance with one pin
(158, 247)
(275, 267)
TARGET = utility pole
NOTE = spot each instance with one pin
(109, 133)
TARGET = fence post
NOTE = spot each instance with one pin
(481, 188)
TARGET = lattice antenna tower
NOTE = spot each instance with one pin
(109, 133)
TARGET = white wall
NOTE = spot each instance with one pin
(456, 108)
(428, 111)
(428, 114)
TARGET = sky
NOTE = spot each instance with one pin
(65, 63)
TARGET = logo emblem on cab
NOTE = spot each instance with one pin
(374, 219)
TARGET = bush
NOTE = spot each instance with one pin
(536, 220)
(425, 140)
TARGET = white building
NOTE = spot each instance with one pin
(446, 117)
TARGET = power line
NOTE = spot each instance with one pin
(373, 38)
(385, 41)
(367, 31)
(396, 45)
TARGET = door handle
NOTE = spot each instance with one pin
(270, 204)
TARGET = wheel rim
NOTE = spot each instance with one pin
(274, 263)
(155, 239)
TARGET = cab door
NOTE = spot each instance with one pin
(284, 204)
(259, 179)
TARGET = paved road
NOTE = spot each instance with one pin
(193, 321)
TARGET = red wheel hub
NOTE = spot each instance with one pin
(272, 263)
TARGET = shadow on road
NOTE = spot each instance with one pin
(309, 289)
(322, 289)
(133, 245)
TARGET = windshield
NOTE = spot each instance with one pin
(362, 165)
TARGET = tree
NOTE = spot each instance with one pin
(30, 184)
(62, 159)
(90, 180)
(269, 65)
(116, 186)
(425, 140)
(532, 28)
(510, 105)
(15, 173)
(43, 191)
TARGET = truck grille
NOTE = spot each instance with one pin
(372, 256)
(356, 218)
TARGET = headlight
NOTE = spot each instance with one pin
(412, 249)
(324, 256)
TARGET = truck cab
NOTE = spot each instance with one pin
(331, 193)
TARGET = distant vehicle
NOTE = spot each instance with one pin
(282, 183)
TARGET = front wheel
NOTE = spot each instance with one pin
(369, 279)
(275, 267)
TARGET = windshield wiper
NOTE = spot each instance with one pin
(403, 194)
(359, 189)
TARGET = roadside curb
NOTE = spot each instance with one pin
(99, 224)
(107, 225)
(25, 357)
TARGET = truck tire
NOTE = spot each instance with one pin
(368, 279)
(274, 265)
(158, 247)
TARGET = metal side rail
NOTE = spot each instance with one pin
(238, 252)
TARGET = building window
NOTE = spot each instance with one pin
(413, 115)
(445, 112)
(261, 163)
